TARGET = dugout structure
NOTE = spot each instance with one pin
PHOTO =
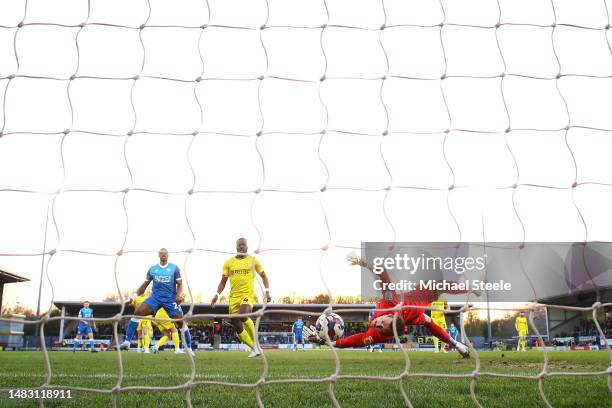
(9, 277)
(561, 320)
(11, 332)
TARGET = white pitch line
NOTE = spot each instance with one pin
(115, 376)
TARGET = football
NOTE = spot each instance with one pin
(330, 325)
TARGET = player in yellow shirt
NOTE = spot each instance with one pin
(145, 331)
(239, 270)
(521, 326)
(438, 317)
(168, 329)
(144, 328)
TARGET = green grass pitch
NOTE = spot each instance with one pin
(100, 370)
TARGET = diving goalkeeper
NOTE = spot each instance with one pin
(381, 323)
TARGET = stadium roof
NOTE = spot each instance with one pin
(9, 277)
(584, 299)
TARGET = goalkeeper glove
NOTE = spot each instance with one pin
(310, 332)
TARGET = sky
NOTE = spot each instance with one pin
(304, 169)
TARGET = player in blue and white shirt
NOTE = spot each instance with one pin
(453, 332)
(167, 293)
(297, 329)
(84, 327)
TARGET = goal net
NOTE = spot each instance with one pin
(309, 127)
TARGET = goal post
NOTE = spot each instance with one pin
(310, 127)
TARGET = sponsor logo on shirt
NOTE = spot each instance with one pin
(162, 279)
(240, 271)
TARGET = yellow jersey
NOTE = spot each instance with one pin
(521, 324)
(437, 306)
(240, 274)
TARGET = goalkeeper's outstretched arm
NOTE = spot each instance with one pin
(372, 336)
(382, 274)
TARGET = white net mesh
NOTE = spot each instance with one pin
(415, 93)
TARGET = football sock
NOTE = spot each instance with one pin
(74, 344)
(176, 340)
(162, 341)
(187, 336)
(436, 341)
(245, 338)
(250, 328)
(147, 341)
(91, 344)
(139, 343)
(131, 330)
